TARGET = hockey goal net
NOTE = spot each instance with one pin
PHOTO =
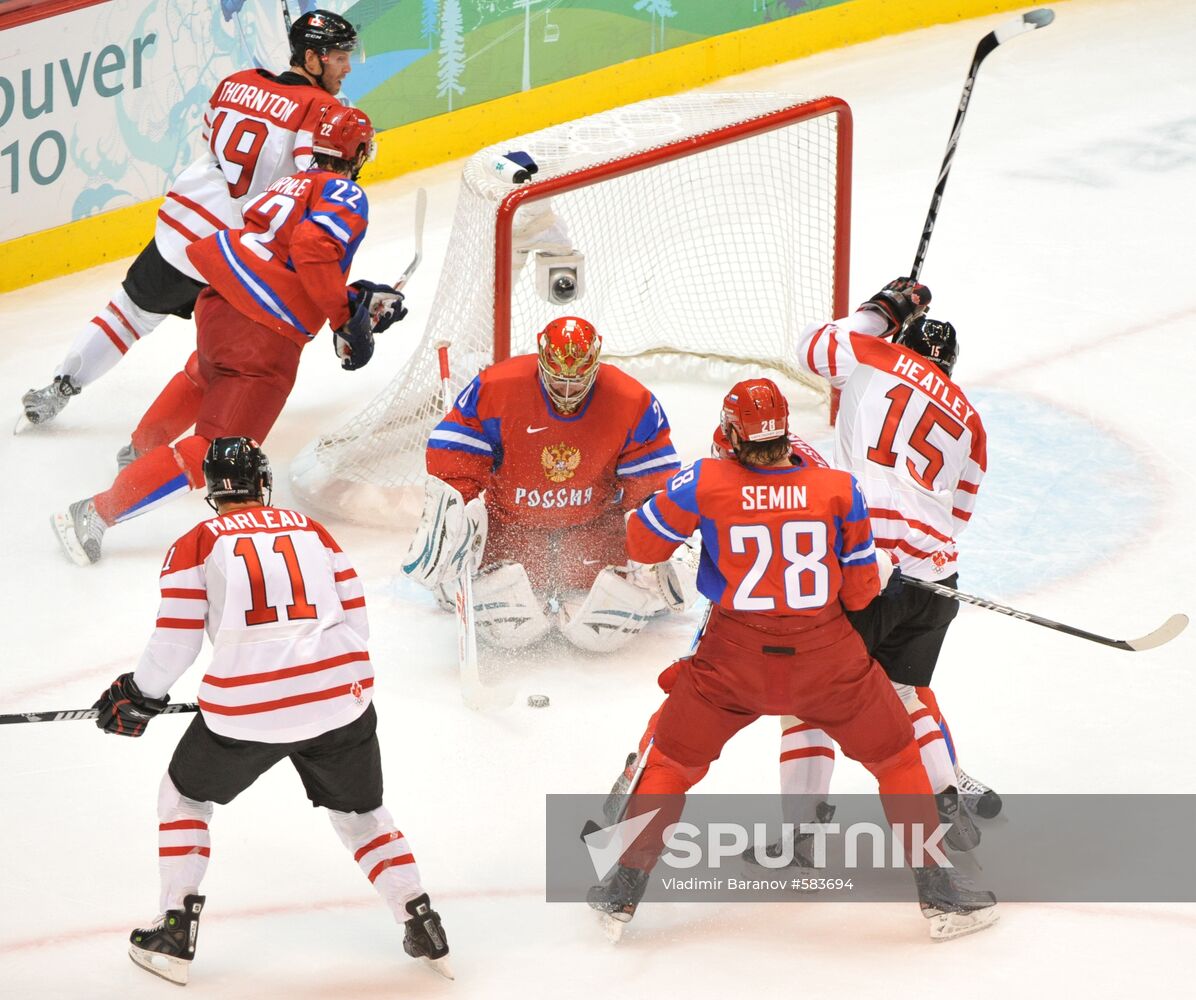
(711, 229)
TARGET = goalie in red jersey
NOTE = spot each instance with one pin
(531, 476)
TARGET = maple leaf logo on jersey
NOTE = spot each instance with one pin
(559, 461)
(356, 691)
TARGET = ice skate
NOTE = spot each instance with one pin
(963, 835)
(616, 898)
(801, 855)
(81, 530)
(977, 796)
(127, 456)
(425, 938)
(952, 904)
(167, 946)
(43, 405)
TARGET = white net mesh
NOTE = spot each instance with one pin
(719, 256)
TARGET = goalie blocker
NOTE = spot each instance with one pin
(451, 540)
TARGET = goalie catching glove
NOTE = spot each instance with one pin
(124, 710)
(899, 303)
(450, 538)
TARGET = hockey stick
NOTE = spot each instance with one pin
(1039, 18)
(77, 714)
(421, 211)
(591, 826)
(474, 693)
(286, 16)
(1171, 628)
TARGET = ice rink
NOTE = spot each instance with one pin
(1063, 255)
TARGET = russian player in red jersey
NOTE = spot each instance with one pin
(290, 678)
(257, 128)
(786, 548)
(272, 286)
(533, 471)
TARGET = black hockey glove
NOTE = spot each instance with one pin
(354, 342)
(900, 302)
(124, 710)
(384, 302)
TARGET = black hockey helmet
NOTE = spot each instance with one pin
(236, 469)
(321, 31)
(933, 339)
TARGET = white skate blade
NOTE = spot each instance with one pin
(440, 966)
(613, 927)
(174, 970)
(22, 424)
(946, 926)
(64, 528)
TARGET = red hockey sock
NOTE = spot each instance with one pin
(154, 478)
(173, 412)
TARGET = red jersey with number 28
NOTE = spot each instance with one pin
(286, 615)
(784, 541)
(908, 434)
(286, 268)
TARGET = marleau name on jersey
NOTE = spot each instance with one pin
(258, 518)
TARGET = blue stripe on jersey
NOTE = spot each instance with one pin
(257, 289)
(651, 423)
(711, 582)
(453, 437)
(467, 401)
(333, 226)
(683, 487)
(654, 461)
(652, 519)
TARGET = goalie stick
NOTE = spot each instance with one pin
(1039, 18)
(1171, 628)
(474, 693)
(77, 714)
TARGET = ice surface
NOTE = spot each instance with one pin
(1063, 254)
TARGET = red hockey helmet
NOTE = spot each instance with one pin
(756, 410)
(568, 350)
(342, 132)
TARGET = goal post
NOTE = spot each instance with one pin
(699, 231)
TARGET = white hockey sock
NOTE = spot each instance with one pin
(382, 852)
(104, 341)
(183, 844)
(936, 758)
(807, 762)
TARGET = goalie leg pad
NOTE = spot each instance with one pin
(506, 611)
(612, 614)
(450, 536)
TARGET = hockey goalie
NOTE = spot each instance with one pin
(530, 479)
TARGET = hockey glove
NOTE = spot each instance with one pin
(354, 342)
(385, 303)
(899, 303)
(890, 575)
(124, 710)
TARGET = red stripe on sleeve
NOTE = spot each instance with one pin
(185, 594)
(968, 487)
(345, 574)
(184, 824)
(174, 852)
(179, 623)
(353, 602)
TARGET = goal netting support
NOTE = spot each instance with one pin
(704, 230)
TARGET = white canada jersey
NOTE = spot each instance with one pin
(909, 436)
(286, 616)
(257, 129)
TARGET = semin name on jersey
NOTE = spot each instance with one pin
(786, 496)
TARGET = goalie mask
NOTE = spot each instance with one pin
(935, 340)
(236, 469)
(568, 350)
(755, 410)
